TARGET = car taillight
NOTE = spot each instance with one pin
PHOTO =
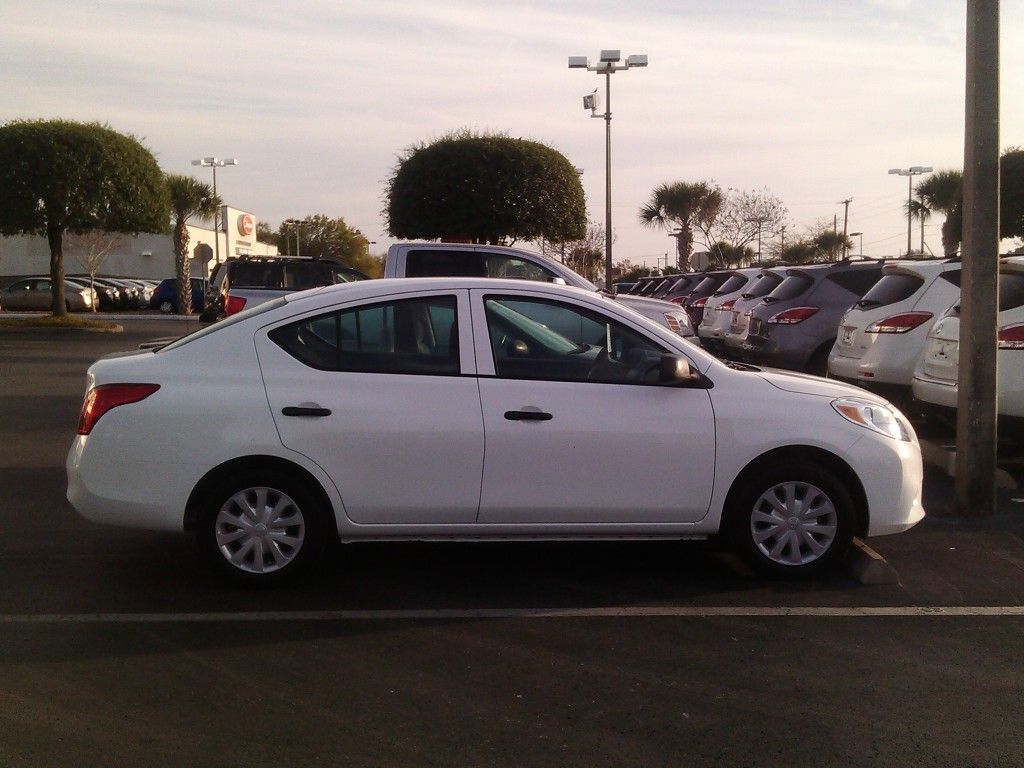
(726, 306)
(908, 321)
(101, 399)
(700, 302)
(233, 304)
(678, 299)
(1012, 337)
(792, 316)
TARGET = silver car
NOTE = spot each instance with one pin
(34, 293)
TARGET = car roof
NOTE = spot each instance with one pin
(389, 286)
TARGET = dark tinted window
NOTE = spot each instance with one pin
(763, 284)
(454, 263)
(890, 289)
(256, 274)
(790, 288)
(733, 284)
(952, 276)
(1011, 290)
(413, 336)
(857, 281)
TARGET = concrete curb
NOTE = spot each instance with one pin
(945, 459)
(868, 567)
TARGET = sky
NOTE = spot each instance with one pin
(813, 99)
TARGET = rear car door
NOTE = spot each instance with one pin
(580, 433)
(383, 396)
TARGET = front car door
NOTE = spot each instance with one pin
(578, 429)
(393, 381)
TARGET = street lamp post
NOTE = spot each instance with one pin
(607, 66)
(215, 163)
(861, 235)
(910, 173)
(296, 224)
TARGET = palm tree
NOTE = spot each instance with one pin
(830, 244)
(682, 204)
(189, 197)
(943, 192)
(917, 208)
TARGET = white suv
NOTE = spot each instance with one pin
(881, 337)
(935, 378)
(718, 308)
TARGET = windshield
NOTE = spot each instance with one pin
(790, 288)
(733, 284)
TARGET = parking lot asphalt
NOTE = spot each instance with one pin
(121, 648)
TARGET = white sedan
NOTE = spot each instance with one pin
(459, 408)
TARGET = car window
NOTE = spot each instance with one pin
(733, 284)
(256, 274)
(511, 267)
(952, 276)
(891, 289)
(24, 285)
(411, 336)
(708, 285)
(856, 281)
(527, 342)
(790, 288)
(763, 284)
(1011, 290)
(423, 262)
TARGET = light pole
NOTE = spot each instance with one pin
(607, 66)
(861, 235)
(215, 163)
(910, 173)
(760, 221)
(297, 224)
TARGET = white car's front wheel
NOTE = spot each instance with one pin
(261, 529)
(793, 519)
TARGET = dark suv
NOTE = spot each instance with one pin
(250, 280)
(795, 325)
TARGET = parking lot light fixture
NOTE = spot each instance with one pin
(607, 66)
(910, 173)
(215, 163)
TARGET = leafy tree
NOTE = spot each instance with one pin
(485, 188)
(60, 176)
(626, 271)
(799, 252)
(740, 213)
(917, 208)
(584, 255)
(725, 254)
(90, 249)
(942, 192)
(831, 245)
(264, 234)
(684, 205)
(322, 237)
(189, 198)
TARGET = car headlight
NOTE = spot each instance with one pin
(876, 417)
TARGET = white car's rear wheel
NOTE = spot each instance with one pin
(262, 529)
(793, 519)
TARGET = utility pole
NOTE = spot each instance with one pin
(782, 248)
(846, 220)
(976, 394)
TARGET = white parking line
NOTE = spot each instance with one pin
(426, 614)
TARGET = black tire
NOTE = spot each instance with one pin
(798, 532)
(167, 307)
(817, 365)
(282, 490)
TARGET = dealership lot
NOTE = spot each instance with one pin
(122, 648)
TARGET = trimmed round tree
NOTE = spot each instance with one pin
(60, 176)
(485, 189)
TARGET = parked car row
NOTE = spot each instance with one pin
(889, 327)
(107, 294)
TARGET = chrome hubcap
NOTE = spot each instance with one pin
(260, 530)
(794, 523)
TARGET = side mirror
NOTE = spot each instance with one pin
(558, 281)
(676, 370)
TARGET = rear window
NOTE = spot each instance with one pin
(857, 281)
(708, 285)
(1011, 291)
(891, 289)
(667, 286)
(952, 276)
(790, 288)
(257, 274)
(733, 284)
(763, 284)
(441, 263)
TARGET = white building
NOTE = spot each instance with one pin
(145, 254)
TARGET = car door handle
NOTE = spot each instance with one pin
(527, 416)
(297, 410)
